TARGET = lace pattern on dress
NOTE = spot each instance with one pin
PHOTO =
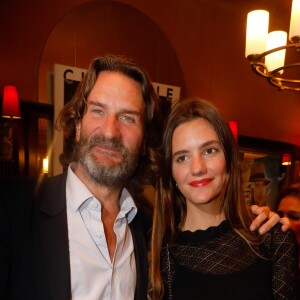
(228, 253)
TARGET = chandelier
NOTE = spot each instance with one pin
(266, 51)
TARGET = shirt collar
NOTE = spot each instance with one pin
(128, 207)
(78, 193)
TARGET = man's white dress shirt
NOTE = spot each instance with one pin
(93, 274)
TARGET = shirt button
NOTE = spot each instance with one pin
(98, 235)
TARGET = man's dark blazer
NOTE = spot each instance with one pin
(34, 247)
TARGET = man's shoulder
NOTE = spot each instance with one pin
(20, 190)
(17, 190)
(21, 184)
(52, 183)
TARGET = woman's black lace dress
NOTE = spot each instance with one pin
(218, 264)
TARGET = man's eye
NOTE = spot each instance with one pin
(96, 110)
(127, 119)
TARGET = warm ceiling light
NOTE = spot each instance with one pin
(266, 53)
(257, 31)
(10, 105)
(286, 159)
(294, 34)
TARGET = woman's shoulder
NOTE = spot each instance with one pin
(276, 233)
(277, 239)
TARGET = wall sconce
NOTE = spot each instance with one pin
(45, 165)
(234, 129)
(11, 111)
(286, 159)
(10, 105)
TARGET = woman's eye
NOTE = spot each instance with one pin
(181, 158)
(293, 216)
(210, 151)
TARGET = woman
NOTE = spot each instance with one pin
(201, 245)
(289, 206)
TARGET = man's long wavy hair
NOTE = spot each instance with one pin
(74, 110)
(170, 205)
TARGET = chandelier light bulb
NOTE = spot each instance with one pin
(257, 31)
(276, 59)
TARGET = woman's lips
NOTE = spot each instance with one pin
(202, 182)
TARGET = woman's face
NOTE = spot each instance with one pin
(198, 163)
(289, 207)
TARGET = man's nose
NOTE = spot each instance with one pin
(111, 127)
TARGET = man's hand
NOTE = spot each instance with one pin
(266, 219)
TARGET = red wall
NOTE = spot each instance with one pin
(205, 40)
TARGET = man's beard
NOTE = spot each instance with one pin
(109, 174)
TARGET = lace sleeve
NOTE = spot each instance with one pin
(282, 250)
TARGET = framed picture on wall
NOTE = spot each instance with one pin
(66, 80)
(262, 177)
(262, 169)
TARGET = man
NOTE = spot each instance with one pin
(88, 236)
(85, 237)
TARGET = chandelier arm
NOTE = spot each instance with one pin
(256, 61)
(275, 82)
(259, 57)
(260, 68)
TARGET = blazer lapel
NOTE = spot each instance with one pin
(53, 233)
(141, 259)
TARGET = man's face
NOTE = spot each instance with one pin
(110, 134)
